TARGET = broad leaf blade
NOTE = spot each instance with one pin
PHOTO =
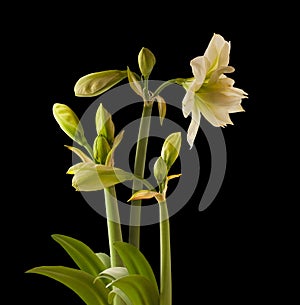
(135, 261)
(137, 288)
(82, 283)
(113, 273)
(105, 259)
(82, 255)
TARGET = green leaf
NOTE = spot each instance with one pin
(81, 254)
(137, 288)
(82, 283)
(94, 84)
(135, 261)
(113, 273)
(118, 293)
(105, 259)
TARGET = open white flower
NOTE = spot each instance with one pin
(210, 92)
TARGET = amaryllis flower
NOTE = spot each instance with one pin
(210, 93)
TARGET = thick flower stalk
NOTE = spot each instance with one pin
(210, 93)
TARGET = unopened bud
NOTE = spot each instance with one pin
(101, 149)
(104, 124)
(69, 123)
(160, 170)
(171, 148)
(146, 60)
(94, 84)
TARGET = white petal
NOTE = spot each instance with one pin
(199, 67)
(194, 126)
(214, 48)
(207, 112)
(188, 100)
(188, 103)
(224, 54)
(215, 76)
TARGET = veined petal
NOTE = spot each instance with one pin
(219, 98)
(199, 67)
(207, 112)
(214, 49)
(194, 126)
(188, 103)
(222, 114)
(215, 76)
(235, 108)
(224, 54)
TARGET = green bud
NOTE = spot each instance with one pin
(160, 170)
(146, 60)
(104, 124)
(69, 123)
(94, 84)
(171, 148)
(101, 149)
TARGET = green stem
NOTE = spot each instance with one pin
(139, 168)
(165, 256)
(113, 224)
(166, 84)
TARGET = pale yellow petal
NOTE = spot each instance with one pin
(221, 114)
(194, 126)
(224, 54)
(215, 76)
(199, 67)
(214, 48)
(207, 112)
(188, 103)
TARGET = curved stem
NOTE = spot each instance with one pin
(165, 256)
(113, 224)
(139, 168)
(166, 84)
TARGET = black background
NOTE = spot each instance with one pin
(233, 250)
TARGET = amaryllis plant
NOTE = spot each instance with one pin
(124, 275)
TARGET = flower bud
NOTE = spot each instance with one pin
(94, 84)
(160, 170)
(171, 148)
(69, 123)
(104, 124)
(146, 60)
(101, 149)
